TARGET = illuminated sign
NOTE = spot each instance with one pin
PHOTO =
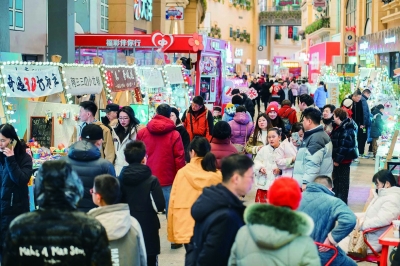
(290, 64)
(390, 40)
(122, 42)
(364, 46)
(143, 9)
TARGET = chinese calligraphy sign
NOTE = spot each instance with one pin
(83, 80)
(121, 78)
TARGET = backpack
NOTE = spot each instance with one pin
(286, 121)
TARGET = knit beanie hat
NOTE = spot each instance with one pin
(347, 103)
(285, 192)
(222, 130)
(271, 107)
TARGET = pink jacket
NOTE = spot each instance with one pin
(222, 148)
(241, 128)
(283, 157)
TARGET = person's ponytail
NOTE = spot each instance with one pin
(325, 89)
(209, 162)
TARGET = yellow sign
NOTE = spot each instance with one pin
(290, 64)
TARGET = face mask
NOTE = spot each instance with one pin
(378, 189)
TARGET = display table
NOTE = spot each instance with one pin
(381, 154)
(387, 239)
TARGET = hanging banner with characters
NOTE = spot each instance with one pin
(29, 81)
(83, 80)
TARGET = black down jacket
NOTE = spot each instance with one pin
(138, 186)
(15, 173)
(344, 142)
(85, 159)
(377, 123)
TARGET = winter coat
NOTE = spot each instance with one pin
(86, 161)
(366, 112)
(284, 155)
(15, 173)
(303, 89)
(241, 128)
(56, 233)
(218, 214)
(265, 158)
(143, 193)
(328, 125)
(107, 151)
(332, 218)
(320, 97)
(288, 112)
(124, 234)
(344, 142)
(253, 149)
(266, 240)
(377, 123)
(188, 186)
(200, 125)
(282, 95)
(265, 93)
(295, 88)
(358, 113)
(383, 209)
(248, 103)
(185, 140)
(222, 148)
(164, 147)
(314, 157)
(120, 146)
(229, 116)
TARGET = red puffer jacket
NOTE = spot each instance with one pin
(164, 148)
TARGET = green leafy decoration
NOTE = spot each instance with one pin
(318, 24)
(344, 90)
(215, 32)
(203, 4)
(295, 38)
(278, 36)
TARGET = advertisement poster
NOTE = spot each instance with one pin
(141, 112)
(30, 81)
(333, 92)
(121, 78)
(83, 80)
(208, 89)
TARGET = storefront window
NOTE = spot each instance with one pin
(351, 13)
(16, 14)
(231, 32)
(104, 15)
(367, 29)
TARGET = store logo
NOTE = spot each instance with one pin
(364, 46)
(165, 41)
(390, 40)
(143, 9)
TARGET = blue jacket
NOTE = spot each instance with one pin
(325, 209)
(320, 97)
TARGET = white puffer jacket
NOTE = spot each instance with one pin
(119, 147)
(283, 158)
(265, 158)
(383, 209)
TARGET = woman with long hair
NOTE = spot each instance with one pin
(15, 171)
(188, 185)
(259, 137)
(276, 120)
(125, 131)
(182, 131)
(320, 96)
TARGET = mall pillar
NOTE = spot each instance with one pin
(61, 30)
(158, 20)
(191, 18)
(4, 30)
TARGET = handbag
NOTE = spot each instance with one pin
(357, 246)
(241, 149)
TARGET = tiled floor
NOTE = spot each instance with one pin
(361, 181)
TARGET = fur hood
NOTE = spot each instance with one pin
(273, 227)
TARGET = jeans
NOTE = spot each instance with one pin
(166, 191)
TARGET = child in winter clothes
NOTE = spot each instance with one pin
(123, 231)
(241, 126)
(377, 126)
(217, 114)
(265, 168)
(259, 137)
(287, 151)
(275, 233)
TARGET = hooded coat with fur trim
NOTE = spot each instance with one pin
(274, 236)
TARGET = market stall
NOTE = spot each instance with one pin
(149, 49)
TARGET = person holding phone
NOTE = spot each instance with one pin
(285, 155)
(15, 171)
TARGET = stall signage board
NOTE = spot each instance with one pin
(42, 130)
(174, 13)
(83, 80)
(152, 78)
(27, 81)
(174, 74)
(121, 78)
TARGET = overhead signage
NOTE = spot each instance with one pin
(122, 42)
(364, 45)
(143, 9)
(83, 80)
(390, 40)
(31, 81)
(121, 78)
(238, 52)
(174, 13)
(319, 5)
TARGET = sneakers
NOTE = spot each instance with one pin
(176, 246)
(363, 156)
(356, 161)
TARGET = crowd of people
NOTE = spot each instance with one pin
(99, 205)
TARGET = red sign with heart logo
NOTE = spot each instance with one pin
(159, 39)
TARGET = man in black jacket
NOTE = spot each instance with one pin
(218, 213)
(246, 102)
(85, 159)
(56, 233)
(358, 117)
